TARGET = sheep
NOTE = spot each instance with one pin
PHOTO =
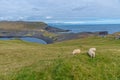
(76, 51)
(91, 52)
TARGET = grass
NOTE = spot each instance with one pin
(21, 60)
(22, 26)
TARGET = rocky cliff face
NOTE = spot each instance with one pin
(28, 29)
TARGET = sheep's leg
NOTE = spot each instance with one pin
(90, 55)
(93, 55)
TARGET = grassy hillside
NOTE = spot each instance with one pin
(20, 26)
(21, 60)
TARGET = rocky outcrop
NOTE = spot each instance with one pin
(101, 33)
(54, 30)
(70, 36)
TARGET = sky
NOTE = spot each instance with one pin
(59, 10)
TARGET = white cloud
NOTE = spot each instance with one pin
(48, 17)
(60, 8)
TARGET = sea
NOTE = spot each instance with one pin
(76, 28)
(27, 39)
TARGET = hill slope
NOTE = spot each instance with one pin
(22, 26)
(21, 60)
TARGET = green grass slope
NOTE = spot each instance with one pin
(21, 60)
(22, 26)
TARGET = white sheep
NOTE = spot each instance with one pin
(91, 52)
(76, 51)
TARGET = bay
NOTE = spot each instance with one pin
(75, 28)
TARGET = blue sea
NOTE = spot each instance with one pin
(75, 28)
(28, 39)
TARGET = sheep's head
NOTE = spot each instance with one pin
(93, 49)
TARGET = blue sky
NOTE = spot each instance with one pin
(59, 9)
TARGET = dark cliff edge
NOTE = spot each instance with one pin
(53, 29)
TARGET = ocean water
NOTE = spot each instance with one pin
(28, 39)
(111, 28)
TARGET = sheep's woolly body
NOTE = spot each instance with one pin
(91, 52)
(76, 51)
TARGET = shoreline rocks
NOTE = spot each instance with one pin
(70, 36)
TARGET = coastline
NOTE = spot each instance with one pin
(41, 30)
